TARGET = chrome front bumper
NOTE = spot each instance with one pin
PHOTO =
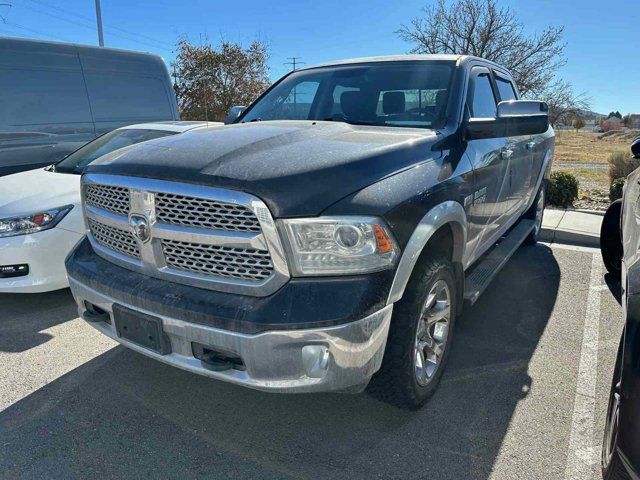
(337, 358)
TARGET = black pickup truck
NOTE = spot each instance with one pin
(327, 238)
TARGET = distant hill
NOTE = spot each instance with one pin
(590, 115)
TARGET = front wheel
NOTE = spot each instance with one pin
(419, 338)
(612, 468)
(611, 239)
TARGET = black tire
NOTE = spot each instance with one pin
(396, 382)
(612, 466)
(611, 239)
(532, 213)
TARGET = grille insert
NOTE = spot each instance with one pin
(202, 213)
(242, 263)
(110, 198)
(115, 239)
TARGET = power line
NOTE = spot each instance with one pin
(90, 25)
(37, 32)
(84, 17)
(4, 5)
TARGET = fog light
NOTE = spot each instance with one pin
(315, 359)
(9, 271)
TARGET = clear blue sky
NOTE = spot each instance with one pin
(603, 37)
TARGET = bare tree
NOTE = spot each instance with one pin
(483, 29)
(210, 80)
(563, 103)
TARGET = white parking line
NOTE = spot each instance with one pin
(583, 452)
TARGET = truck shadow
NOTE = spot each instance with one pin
(25, 316)
(123, 415)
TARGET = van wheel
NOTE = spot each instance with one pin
(419, 338)
(612, 467)
(611, 240)
(535, 213)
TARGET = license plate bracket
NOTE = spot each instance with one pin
(141, 329)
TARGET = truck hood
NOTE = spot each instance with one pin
(297, 167)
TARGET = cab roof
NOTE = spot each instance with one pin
(458, 59)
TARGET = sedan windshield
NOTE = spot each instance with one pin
(400, 94)
(78, 160)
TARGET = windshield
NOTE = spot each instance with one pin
(401, 94)
(78, 160)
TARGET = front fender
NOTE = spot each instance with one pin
(449, 212)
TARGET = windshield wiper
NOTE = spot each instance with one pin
(352, 122)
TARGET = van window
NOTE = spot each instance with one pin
(32, 97)
(117, 97)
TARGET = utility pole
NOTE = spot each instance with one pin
(294, 61)
(99, 20)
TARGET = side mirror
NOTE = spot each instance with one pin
(233, 114)
(635, 147)
(514, 118)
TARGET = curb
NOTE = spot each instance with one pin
(553, 235)
(560, 231)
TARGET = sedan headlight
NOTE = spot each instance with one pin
(339, 245)
(37, 222)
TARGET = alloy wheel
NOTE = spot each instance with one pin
(432, 332)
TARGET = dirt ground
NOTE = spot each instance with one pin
(585, 155)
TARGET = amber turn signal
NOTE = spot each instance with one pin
(382, 241)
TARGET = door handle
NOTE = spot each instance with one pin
(506, 153)
(530, 145)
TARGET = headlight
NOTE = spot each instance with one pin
(339, 245)
(37, 222)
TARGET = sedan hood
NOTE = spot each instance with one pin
(38, 190)
(296, 167)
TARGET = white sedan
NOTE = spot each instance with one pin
(40, 214)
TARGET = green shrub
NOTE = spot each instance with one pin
(621, 164)
(562, 189)
(615, 190)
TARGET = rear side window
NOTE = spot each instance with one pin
(505, 87)
(118, 97)
(484, 101)
(32, 97)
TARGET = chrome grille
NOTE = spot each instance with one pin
(115, 239)
(243, 263)
(110, 198)
(203, 213)
(201, 236)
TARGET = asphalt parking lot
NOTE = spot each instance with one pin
(524, 396)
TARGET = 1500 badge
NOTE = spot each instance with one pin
(477, 198)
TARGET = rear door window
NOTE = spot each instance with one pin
(483, 103)
(506, 89)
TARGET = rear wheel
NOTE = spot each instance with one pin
(419, 338)
(611, 239)
(535, 213)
